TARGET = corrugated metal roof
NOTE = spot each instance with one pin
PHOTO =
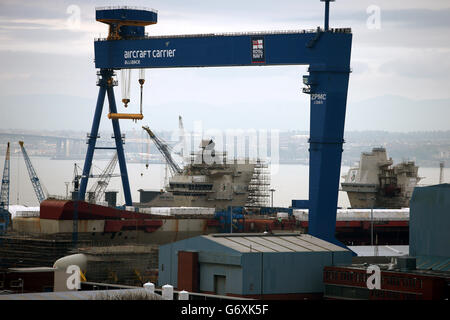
(324, 245)
(295, 246)
(433, 263)
(273, 242)
(72, 295)
(241, 244)
(270, 243)
(381, 251)
(69, 295)
(32, 269)
(245, 244)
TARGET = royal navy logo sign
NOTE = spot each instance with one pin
(258, 50)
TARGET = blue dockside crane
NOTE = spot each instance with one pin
(4, 194)
(41, 195)
(326, 51)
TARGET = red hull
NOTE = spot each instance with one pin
(64, 210)
(115, 220)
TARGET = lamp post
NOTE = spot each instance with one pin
(272, 191)
(67, 189)
(371, 223)
(231, 220)
(21, 283)
(371, 217)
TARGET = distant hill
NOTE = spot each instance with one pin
(394, 113)
(61, 112)
(46, 112)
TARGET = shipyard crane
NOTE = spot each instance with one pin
(326, 51)
(76, 178)
(102, 183)
(37, 186)
(164, 149)
(4, 194)
(182, 139)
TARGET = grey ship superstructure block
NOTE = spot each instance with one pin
(377, 183)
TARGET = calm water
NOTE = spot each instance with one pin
(290, 181)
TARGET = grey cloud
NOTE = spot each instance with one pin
(30, 73)
(405, 18)
(43, 9)
(42, 35)
(417, 18)
(359, 67)
(47, 73)
(425, 65)
(394, 113)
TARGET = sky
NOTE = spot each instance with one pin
(400, 59)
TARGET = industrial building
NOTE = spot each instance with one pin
(397, 284)
(423, 275)
(25, 280)
(429, 238)
(262, 266)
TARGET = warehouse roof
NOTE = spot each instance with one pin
(283, 242)
(381, 251)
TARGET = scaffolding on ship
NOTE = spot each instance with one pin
(258, 188)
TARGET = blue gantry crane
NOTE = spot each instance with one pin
(4, 194)
(325, 50)
(37, 186)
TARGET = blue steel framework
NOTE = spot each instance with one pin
(106, 84)
(4, 193)
(327, 52)
(37, 186)
(4, 190)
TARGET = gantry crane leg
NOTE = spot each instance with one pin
(328, 104)
(106, 85)
(119, 147)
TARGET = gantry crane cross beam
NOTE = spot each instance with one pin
(326, 51)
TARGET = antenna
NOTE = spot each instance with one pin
(327, 13)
